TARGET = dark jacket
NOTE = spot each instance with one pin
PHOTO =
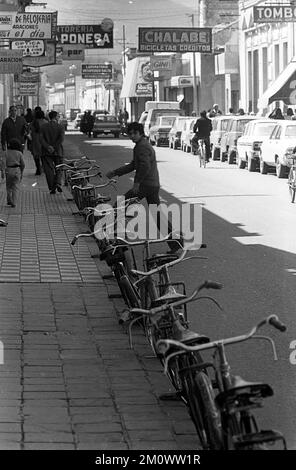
(52, 133)
(203, 127)
(13, 130)
(144, 163)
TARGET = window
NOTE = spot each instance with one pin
(285, 54)
(290, 131)
(276, 60)
(241, 124)
(263, 130)
(264, 68)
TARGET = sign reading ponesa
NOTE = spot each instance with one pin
(92, 36)
(274, 13)
(175, 40)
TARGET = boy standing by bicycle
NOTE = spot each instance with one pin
(202, 129)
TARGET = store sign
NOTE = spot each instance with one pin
(274, 13)
(160, 63)
(144, 89)
(91, 36)
(70, 52)
(29, 77)
(49, 57)
(30, 26)
(28, 88)
(97, 71)
(33, 48)
(11, 61)
(175, 40)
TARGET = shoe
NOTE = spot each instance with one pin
(59, 189)
(53, 191)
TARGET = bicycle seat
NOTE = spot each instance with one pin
(243, 389)
(160, 259)
(186, 336)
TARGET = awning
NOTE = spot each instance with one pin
(282, 89)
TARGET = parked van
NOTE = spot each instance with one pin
(154, 109)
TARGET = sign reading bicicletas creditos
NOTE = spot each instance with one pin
(175, 40)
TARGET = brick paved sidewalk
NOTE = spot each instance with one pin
(69, 379)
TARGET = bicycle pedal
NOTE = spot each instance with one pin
(170, 396)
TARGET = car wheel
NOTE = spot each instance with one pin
(241, 163)
(281, 170)
(95, 135)
(252, 164)
(157, 143)
(263, 167)
(116, 135)
(223, 156)
(231, 158)
(216, 153)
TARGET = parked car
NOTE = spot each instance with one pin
(187, 134)
(249, 144)
(153, 114)
(159, 133)
(77, 120)
(63, 121)
(106, 124)
(176, 131)
(277, 150)
(234, 130)
(220, 126)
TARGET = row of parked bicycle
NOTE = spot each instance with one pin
(220, 405)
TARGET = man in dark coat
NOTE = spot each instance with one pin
(51, 139)
(146, 180)
(13, 127)
(202, 129)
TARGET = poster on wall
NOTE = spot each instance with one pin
(144, 77)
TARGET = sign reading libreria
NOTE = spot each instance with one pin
(274, 13)
(175, 40)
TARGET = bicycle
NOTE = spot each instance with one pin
(224, 421)
(292, 178)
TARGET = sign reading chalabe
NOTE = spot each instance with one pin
(175, 40)
(274, 13)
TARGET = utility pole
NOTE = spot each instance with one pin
(195, 98)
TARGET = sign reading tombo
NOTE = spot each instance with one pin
(175, 40)
(274, 13)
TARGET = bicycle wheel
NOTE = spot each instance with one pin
(292, 184)
(203, 410)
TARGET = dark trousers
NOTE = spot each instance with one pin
(53, 176)
(151, 194)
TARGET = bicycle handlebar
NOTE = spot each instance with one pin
(164, 344)
(93, 186)
(179, 303)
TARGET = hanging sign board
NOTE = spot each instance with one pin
(31, 25)
(274, 13)
(160, 62)
(11, 61)
(28, 88)
(70, 52)
(49, 57)
(96, 71)
(34, 48)
(175, 40)
(91, 36)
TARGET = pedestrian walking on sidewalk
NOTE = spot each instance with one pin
(146, 181)
(13, 127)
(51, 139)
(14, 168)
(38, 122)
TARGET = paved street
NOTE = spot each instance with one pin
(69, 379)
(249, 227)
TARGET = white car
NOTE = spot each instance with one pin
(249, 144)
(278, 149)
(187, 134)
